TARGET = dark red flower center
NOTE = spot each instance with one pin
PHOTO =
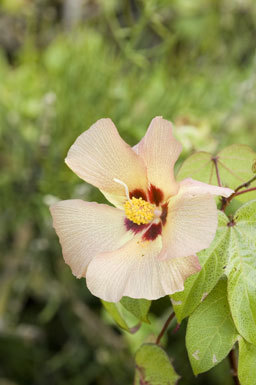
(155, 196)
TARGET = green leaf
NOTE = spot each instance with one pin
(247, 363)
(138, 307)
(210, 332)
(232, 207)
(234, 164)
(241, 271)
(153, 367)
(127, 308)
(198, 166)
(198, 286)
(235, 247)
(112, 309)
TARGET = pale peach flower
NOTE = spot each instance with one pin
(145, 246)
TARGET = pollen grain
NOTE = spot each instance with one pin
(139, 211)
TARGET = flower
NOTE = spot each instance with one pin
(145, 246)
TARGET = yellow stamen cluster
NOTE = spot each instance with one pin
(139, 211)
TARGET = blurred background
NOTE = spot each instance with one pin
(63, 65)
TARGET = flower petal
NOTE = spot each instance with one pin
(192, 186)
(135, 271)
(99, 155)
(192, 219)
(160, 150)
(191, 225)
(86, 229)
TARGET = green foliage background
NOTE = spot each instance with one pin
(194, 63)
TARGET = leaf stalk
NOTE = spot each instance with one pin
(215, 161)
(226, 201)
(233, 365)
(167, 323)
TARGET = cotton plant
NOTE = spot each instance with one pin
(167, 236)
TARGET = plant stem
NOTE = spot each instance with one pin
(215, 161)
(246, 184)
(233, 366)
(226, 201)
(245, 191)
(167, 323)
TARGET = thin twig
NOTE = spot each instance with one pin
(246, 184)
(245, 191)
(167, 323)
(226, 201)
(215, 161)
(233, 366)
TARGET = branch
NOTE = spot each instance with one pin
(245, 191)
(246, 184)
(226, 201)
(167, 323)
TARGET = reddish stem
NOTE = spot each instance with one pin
(245, 191)
(167, 323)
(246, 184)
(233, 366)
(226, 201)
(215, 161)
